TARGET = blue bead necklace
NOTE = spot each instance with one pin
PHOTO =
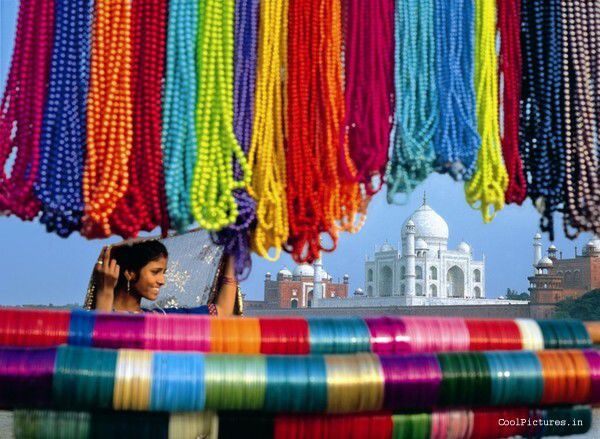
(416, 114)
(457, 140)
(63, 141)
(179, 109)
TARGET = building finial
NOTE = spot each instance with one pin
(424, 198)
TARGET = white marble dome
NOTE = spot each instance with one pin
(304, 270)
(386, 248)
(428, 224)
(285, 272)
(545, 262)
(421, 245)
(595, 242)
(463, 247)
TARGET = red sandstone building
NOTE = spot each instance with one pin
(295, 290)
(556, 279)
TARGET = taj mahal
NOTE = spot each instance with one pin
(425, 267)
(423, 272)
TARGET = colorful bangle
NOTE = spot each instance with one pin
(212, 309)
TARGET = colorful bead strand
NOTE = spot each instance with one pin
(62, 146)
(212, 199)
(315, 145)
(22, 109)
(486, 188)
(179, 108)
(143, 205)
(581, 69)
(416, 115)
(267, 156)
(509, 22)
(350, 197)
(541, 132)
(456, 139)
(369, 54)
(109, 124)
(236, 238)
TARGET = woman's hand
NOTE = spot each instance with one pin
(107, 275)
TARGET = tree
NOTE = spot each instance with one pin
(514, 295)
(587, 307)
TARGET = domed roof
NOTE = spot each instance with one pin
(285, 272)
(421, 245)
(545, 262)
(304, 270)
(552, 248)
(463, 247)
(537, 236)
(358, 292)
(428, 224)
(595, 242)
(386, 248)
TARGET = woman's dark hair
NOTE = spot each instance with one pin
(136, 256)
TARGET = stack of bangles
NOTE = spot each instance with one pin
(80, 374)
(437, 424)
(289, 336)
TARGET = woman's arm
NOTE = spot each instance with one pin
(225, 301)
(107, 275)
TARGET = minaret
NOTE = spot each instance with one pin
(409, 254)
(317, 284)
(537, 249)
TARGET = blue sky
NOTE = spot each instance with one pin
(37, 267)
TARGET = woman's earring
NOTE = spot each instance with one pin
(128, 287)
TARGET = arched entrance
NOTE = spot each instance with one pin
(385, 281)
(456, 282)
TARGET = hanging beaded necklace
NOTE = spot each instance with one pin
(485, 190)
(416, 115)
(368, 57)
(509, 22)
(456, 139)
(351, 197)
(236, 238)
(143, 205)
(212, 198)
(62, 146)
(22, 109)
(267, 156)
(109, 111)
(179, 109)
(315, 193)
(581, 63)
(541, 140)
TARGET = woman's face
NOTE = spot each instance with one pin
(151, 279)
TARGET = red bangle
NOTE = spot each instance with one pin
(212, 309)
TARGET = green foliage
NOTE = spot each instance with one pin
(587, 307)
(515, 295)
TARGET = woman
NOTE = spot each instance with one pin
(127, 273)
